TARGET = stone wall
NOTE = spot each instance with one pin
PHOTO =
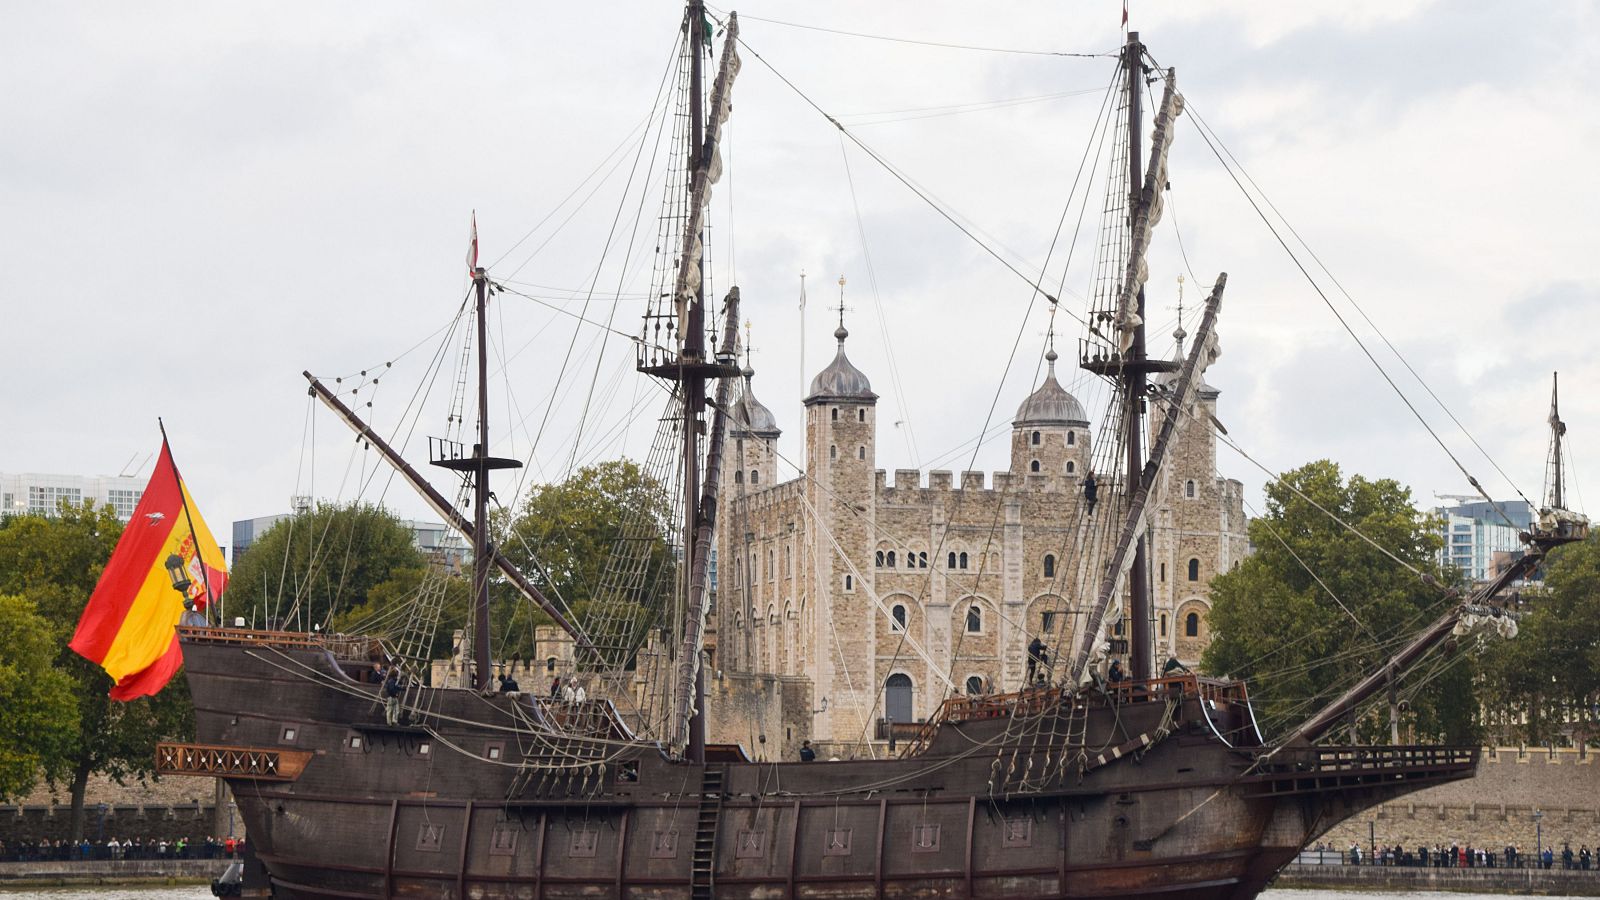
(1400, 879)
(1496, 808)
(123, 822)
(744, 709)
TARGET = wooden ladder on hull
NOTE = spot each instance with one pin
(705, 835)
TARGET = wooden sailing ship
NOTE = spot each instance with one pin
(1150, 785)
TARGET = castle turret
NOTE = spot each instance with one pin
(840, 464)
(754, 432)
(1050, 435)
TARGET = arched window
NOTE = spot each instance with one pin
(772, 569)
(974, 620)
(738, 478)
(877, 560)
(888, 559)
(861, 415)
(899, 613)
(897, 697)
(1163, 624)
(1191, 625)
(1163, 572)
(974, 685)
(922, 559)
(1072, 438)
(833, 451)
(849, 583)
(550, 664)
(755, 477)
(1188, 489)
(1033, 466)
(1034, 439)
(1194, 570)
(861, 452)
(951, 563)
(1049, 565)
(836, 413)
(962, 559)
(1071, 467)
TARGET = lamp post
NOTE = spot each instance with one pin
(1538, 839)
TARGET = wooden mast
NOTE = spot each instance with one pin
(1134, 376)
(694, 382)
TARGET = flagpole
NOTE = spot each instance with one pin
(802, 353)
(205, 576)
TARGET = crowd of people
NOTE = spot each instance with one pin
(114, 849)
(1466, 857)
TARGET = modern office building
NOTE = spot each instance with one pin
(433, 538)
(1474, 532)
(41, 494)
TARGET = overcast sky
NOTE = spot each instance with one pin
(200, 201)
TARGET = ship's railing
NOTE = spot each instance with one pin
(1040, 700)
(1300, 770)
(343, 646)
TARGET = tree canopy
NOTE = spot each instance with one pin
(610, 514)
(53, 562)
(38, 708)
(1301, 641)
(326, 561)
(1549, 677)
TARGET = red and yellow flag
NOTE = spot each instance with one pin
(130, 624)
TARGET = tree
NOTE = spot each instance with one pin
(1551, 672)
(37, 706)
(1300, 641)
(308, 567)
(573, 539)
(54, 563)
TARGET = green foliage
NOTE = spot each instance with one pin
(565, 535)
(37, 706)
(1551, 671)
(388, 606)
(321, 563)
(1277, 626)
(54, 563)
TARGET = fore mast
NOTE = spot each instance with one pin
(478, 465)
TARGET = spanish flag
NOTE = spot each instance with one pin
(165, 562)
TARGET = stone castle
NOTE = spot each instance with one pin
(845, 603)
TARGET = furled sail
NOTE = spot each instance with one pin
(1147, 215)
(706, 174)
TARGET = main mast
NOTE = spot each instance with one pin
(1135, 377)
(683, 360)
(694, 382)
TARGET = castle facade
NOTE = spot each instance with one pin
(874, 600)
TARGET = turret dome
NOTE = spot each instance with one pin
(841, 380)
(750, 417)
(1050, 404)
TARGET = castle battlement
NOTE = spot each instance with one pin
(909, 486)
(769, 497)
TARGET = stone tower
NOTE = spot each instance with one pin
(750, 465)
(841, 420)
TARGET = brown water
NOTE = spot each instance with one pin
(205, 892)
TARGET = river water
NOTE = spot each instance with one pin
(205, 892)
